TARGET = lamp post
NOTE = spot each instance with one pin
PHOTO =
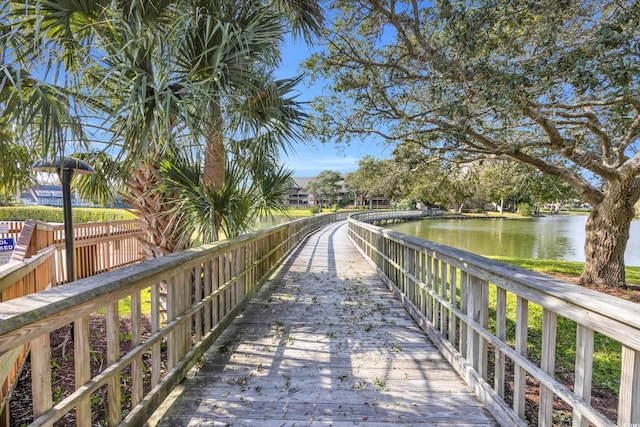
(66, 167)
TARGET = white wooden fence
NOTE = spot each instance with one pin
(475, 310)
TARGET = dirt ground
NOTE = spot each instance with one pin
(21, 408)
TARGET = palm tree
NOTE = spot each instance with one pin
(154, 75)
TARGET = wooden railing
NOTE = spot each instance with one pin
(202, 290)
(383, 216)
(37, 263)
(99, 246)
(17, 279)
(477, 310)
(13, 229)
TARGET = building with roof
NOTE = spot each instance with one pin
(298, 197)
(49, 195)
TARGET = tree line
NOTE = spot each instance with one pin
(500, 185)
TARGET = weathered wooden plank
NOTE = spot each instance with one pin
(82, 369)
(583, 371)
(326, 341)
(137, 377)
(548, 365)
(628, 408)
(520, 375)
(41, 375)
(113, 355)
(303, 412)
(501, 334)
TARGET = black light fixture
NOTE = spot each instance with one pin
(66, 167)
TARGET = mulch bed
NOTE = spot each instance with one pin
(21, 408)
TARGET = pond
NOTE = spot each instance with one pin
(559, 237)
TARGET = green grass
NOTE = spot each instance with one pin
(124, 305)
(299, 213)
(564, 267)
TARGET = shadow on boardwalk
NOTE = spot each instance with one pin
(323, 343)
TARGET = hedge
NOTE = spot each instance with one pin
(52, 214)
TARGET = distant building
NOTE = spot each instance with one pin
(49, 195)
(298, 197)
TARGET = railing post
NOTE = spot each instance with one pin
(443, 294)
(477, 307)
(583, 370)
(520, 375)
(41, 375)
(82, 368)
(113, 355)
(429, 286)
(423, 281)
(628, 408)
(452, 300)
(137, 377)
(156, 317)
(548, 365)
(464, 297)
(409, 273)
(501, 334)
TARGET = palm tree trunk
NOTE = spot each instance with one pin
(214, 157)
(215, 153)
(161, 238)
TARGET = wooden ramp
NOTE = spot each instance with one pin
(324, 343)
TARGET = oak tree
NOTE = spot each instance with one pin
(551, 84)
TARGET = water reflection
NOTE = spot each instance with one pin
(552, 237)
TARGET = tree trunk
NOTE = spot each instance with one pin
(150, 207)
(214, 158)
(607, 233)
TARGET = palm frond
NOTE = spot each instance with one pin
(15, 174)
(108, 181)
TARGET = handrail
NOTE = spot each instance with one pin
(19, 278)
(13, 229)
(375, 216)
(98, 246)
(38, 263)
(447, 290)
(205, 289)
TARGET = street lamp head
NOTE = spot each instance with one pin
(77, 166)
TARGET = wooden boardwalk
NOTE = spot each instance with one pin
(324, 343)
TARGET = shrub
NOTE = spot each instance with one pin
(53, 214)
(525, 209)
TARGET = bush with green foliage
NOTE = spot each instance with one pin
(525, 209)
(53, 214)
(406, 204)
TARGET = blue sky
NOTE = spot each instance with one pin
(312, 157)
